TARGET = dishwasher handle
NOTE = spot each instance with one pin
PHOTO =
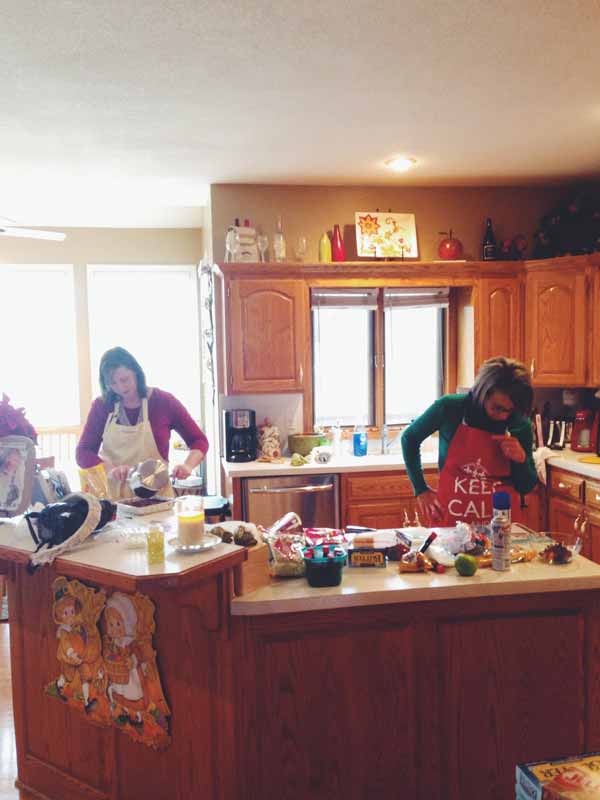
(327, 487)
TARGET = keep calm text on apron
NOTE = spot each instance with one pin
(474, 469)
(123, 443)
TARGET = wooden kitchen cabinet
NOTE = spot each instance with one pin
(574, 509)
(267, 335)
(556, 326)
(379, 499)
(499, 319)
(595, 370)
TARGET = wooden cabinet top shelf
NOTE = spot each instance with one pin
(378, 269)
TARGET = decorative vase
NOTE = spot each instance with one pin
(325, 249)
(338, 251)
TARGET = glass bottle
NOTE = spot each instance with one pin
(488, 245)
(338, 251)
(500, 526)
(325, 249)
(279, 247)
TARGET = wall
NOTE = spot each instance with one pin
(310, 210)
(108, 245)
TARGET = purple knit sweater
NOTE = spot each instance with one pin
(165, 413)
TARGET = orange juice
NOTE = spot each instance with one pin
(190, 528)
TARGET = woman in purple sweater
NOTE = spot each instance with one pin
(131, 422)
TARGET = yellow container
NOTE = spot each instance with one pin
(190, 519)
(155, 543)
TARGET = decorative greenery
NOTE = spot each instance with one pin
(572, 229)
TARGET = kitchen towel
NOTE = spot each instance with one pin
(540, 457)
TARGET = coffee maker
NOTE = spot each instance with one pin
(240, 435)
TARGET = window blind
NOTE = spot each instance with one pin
(416, 297)
(344, 298)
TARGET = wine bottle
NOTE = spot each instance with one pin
(279, 247)
(488, 245)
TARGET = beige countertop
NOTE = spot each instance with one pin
(106, 552)
(338, 464)
(568, 459)
(371, 586)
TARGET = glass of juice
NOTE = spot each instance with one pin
(189, 511)
(155, 543)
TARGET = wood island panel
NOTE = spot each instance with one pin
(430, 701)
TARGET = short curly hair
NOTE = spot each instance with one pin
(506, 375)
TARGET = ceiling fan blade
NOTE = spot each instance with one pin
(31, 233)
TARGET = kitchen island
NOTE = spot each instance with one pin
(62, 754)
(411, 686)
(428, 687)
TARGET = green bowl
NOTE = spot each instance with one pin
(303, 443)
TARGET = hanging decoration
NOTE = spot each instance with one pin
(111, 676)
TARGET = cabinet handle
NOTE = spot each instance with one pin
(598, 498)
(576, 523)
(583, 525)
(562, 485)
(300, 374)
(532, 368)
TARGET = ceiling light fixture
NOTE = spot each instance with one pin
(400, 163)
(30, 233)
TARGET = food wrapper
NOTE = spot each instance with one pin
(316, 536)
(94, 481)
(286, 541)
(414, 562)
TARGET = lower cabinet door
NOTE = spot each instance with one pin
(380, 515)
(563, 515)
(590, 529)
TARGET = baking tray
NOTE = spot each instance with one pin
(158, 504)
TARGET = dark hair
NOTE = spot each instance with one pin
(504, 375)
(112, 360)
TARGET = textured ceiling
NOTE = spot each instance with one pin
(124, 112)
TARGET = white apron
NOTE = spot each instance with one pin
(128, 444)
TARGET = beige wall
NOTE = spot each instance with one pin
(108, 245)
(310, 210)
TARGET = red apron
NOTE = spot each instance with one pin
(474, 469)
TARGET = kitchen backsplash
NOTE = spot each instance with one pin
(284, 410)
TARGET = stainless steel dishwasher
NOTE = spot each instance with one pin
(315, 498)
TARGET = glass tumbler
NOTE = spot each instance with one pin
(189, 511)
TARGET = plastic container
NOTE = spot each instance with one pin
(359, 441)
(324, 565)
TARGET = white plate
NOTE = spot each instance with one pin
(208, 541)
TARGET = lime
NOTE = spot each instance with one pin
(466, 565)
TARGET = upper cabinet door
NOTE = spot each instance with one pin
(595, 367)
(499, 314)
(556, 332)
(267, 335)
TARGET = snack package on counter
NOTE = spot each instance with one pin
(94, 481)
(269, 443)
(286, 541)
(316, 536)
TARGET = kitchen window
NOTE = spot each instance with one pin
(378, 354)
(152, 311)
(71, 314)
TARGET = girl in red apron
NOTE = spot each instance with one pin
(477, 453)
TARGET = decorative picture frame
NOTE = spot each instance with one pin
(387, 234)
(17, 463)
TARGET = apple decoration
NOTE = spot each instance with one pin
(450, 248)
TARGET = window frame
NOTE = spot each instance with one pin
(449, 346)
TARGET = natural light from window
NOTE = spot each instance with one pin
(342, 365)
(39, 351)
(413, 350)
(152, 311)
